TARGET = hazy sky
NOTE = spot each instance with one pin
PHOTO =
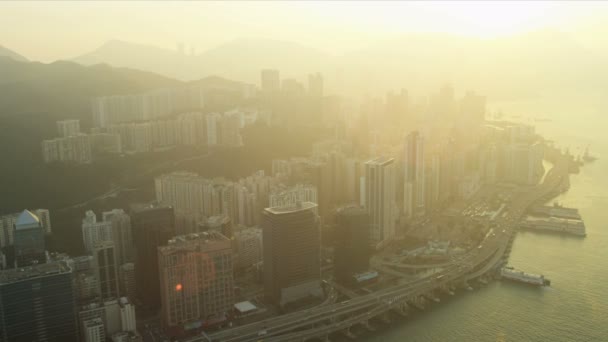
(48, 30)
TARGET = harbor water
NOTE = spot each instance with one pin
(575, 307)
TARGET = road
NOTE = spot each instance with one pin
(321, 321)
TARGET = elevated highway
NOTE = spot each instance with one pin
(321, 321)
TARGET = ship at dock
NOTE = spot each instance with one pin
(556, 225)
(510, 273)
(588, 158)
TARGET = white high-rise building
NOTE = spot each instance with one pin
(94, 330)
(68, 128)
(127, 315)
(121, 234)
(380, 199)
(94, 232)
(74, 148)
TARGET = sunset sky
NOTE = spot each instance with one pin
(47, 31)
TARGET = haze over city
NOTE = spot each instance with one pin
(209, 171)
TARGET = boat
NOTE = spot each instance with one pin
(557, 225)
(587, 157)
(510, 273)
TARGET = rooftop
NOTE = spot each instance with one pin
(380, 161)
(27, 220)
(295, 208)
(24, 273)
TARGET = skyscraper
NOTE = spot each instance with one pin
(121, 234)
(315, 85)
(37, 304)
(152, 227)
(271, 81)
(106, 269)
(292, 245)
(352, 251)
(413, 158)
(94, 231)
(29, 240)
(196, 280)
(380, 199)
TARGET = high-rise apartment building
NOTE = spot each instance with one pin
(106, 269)
(248, 247)
(68, 128)
(414, 174)
(94, 231)
(94, 330)
(126, 275)
(380, 199)
(74, 148)
(121, 234)
(196, 280)
(291, 238)
(271, 80)
(315, 85)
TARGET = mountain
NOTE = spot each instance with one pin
(12, 54)
(32, 97)
(513, 67)
(63, 89)
(240, 59)
(142, 57)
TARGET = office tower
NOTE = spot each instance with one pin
(473, 108)
(291, 196)
(38, 303)
(271, 81)
(248, 247)
(126, 275)
(380, 199)
(413, 159)
(352, 251)
(94, 330)
(7, 225)
(106, 269)
(291, 238)
(152, 227)
(196, 280)
(29, 240)
(315, 85)
(121, 234)
(523, 163)
(94, 232)
(68, 128)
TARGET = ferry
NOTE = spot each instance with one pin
(558, 225)
(587, 157)
(513, 274)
